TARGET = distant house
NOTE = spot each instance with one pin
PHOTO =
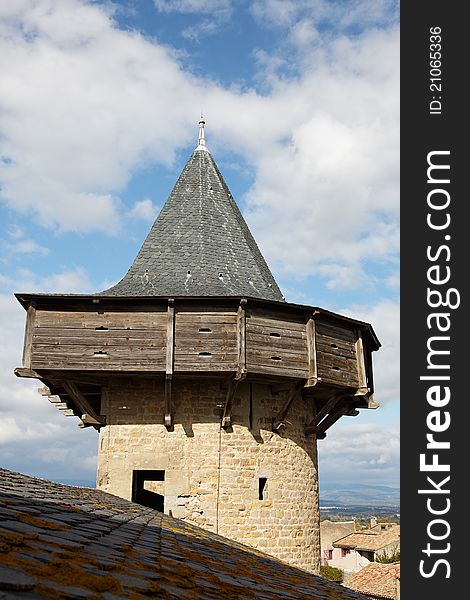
(356, 550)
(377, 581)
(330, 531)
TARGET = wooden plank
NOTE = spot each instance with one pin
(196, 318)
(311, 352)
(278, 370)
(335, 346)
(28, 335)
(274, 356)
(335, 331)
(295, 345)
(328, 361)
(90, 320)
(275, 324)
(71, 336)
(97, 341)
(259, 332)
(338, 377)
(271, 313)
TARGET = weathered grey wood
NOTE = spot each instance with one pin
(92, 319)
(275, 324)
(81, 402)
(311, 352)
(54, 399)
(28, 373)
(28, 335)
(168, 415)
(336, 331)
(241, 340)
(227, 414)
(91, 420)
(294, 392)
(170, 352)
(330, 420)
(329, 407)
(361, 365)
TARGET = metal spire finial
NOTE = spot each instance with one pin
(201, 144)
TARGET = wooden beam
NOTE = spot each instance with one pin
(295, 390)
(313, 378)
(82, 404)
(24, 372)
(28, 335)
(227, 415)
(361, 366)
(330, 420)
(327, 408)
(170, 358)
(241, 340)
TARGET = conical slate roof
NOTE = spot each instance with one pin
(200, 245)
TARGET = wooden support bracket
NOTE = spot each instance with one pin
(227, 414)
(326, 409)
(241, 340)
(170, 353)
(88, 413)
(168, 416)
(295, 390)
(331, 419)
(29, 373)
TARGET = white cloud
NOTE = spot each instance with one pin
(35, 437)
(144, 209)
(340, 15)
(215, 12)
(385, 319)
(82, 113)
(360, 452)
(81, 102)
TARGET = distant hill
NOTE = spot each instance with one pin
(358, 494)
(84, 483)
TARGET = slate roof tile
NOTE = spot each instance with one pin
(150, 555)
(200, 244)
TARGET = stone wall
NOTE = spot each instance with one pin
(212, 476)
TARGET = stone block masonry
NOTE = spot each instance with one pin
(247, 483)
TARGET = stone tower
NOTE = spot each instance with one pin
(209, 391)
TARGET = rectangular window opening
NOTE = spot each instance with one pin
(262, 487)
(141, 481)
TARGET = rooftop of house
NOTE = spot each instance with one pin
(330, 531)
(59, 541)
(200, 244)
(377, 580)
(371, 539)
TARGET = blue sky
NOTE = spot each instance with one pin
(99, 104)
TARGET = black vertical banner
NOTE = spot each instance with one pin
(435, 349)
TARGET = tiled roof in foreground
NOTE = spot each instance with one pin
(58, 541)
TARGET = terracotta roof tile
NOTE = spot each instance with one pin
(378, 580)
(370, 539)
